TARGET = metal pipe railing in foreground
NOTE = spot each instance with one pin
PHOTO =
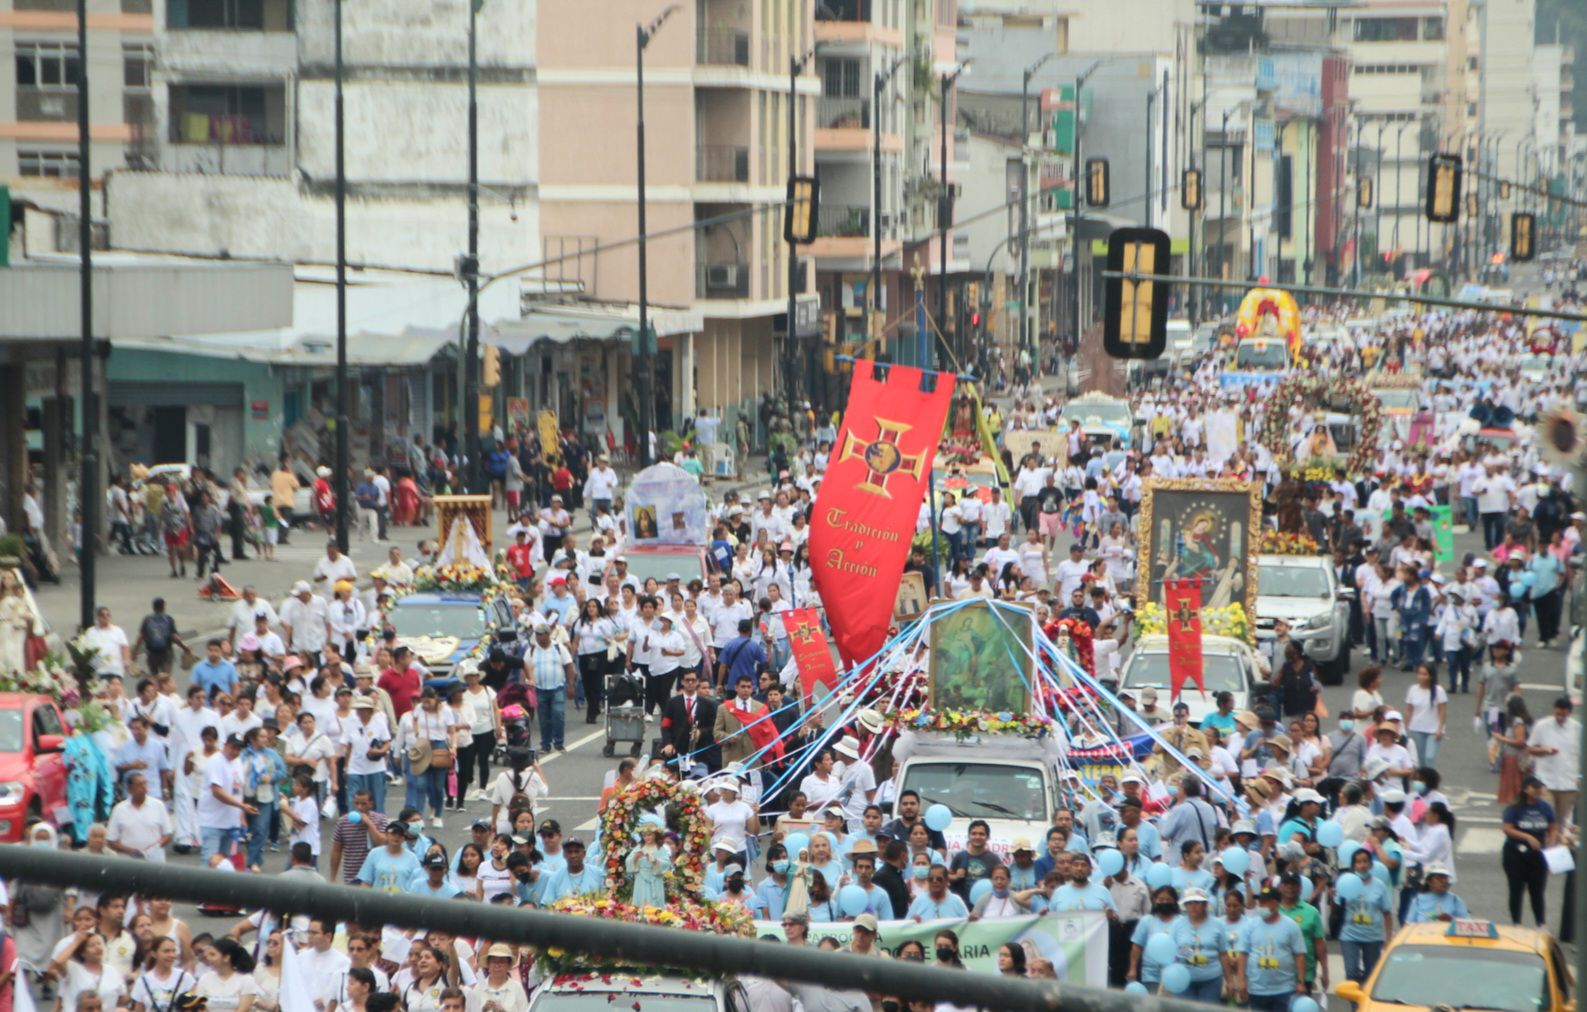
(640, 945)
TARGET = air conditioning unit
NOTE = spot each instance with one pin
(722, 275)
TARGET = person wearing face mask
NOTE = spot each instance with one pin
(772, 891)
(1165, 912)
(1272, 958)
(937, 901)
(1002, 901)
(1348, 751)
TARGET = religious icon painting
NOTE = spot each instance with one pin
(983, 657)
(1206, 530)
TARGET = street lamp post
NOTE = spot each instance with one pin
(647, 414)
(796, 66)
(874, 299)
(1074, 236)
(342, 421)
(88, 456)
(1399, 178)
(471, 363)
(1025, 336)
(1223, 193)
(944, 212)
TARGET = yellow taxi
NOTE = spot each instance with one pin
(1466, 964)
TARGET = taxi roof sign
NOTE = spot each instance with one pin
(1471, 927)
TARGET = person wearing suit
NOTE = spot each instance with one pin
(688, 725)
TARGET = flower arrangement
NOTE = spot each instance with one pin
(1274, 433)
(452, 576)
(53, 676)
(1080, 636)
(685, 816)
(966, 724)
(1287, 543)
(684, 914)
(90, 717)
(504, 571)
(1228, 621)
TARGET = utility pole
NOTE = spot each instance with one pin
(1074, 224)
(88, 457)
(874, 295)
(342, 421)
(1223, 193)
(944, 213)
(1146, 191)
(647, 373)
(791, 377)
(1026, 340)
(471, 363)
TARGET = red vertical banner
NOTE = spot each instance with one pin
(1182, 601)
(810, 649)
(864, 515)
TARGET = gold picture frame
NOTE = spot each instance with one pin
(983, 657)
(1223, 518)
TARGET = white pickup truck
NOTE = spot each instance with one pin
(1007, 780)
(1303, 591)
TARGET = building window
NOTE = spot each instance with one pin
(1471, 108)
(136, 63)
(1433, 29)
(840, 78)
(48, 164)
(228, 114)
(1385, 29)
(47, 65)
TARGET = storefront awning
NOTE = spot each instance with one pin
(614, 323)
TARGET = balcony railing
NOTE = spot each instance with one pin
(843, 220)
(724, 47)
(837, 112)
(843, 10)
(46, 105)
(721, 163)
(722, 281)
(45, 5)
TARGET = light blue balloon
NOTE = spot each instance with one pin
(1135, 987)
(1161, 949)
(355, 817)
(1350, 887)
(1305, 889)
(1236, 860)
(939, 817)
(1176, 978)
(1158, 875)
(853, 901)
(1303, 1004)
(1380, 871)
(1110, 862)
(1330, 834)
(1347, 852)
(795, 842)
(981, 889)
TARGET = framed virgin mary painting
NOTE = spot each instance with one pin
(1203, 529)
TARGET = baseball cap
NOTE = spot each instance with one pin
(435, 861)
(234, 740)
(301, 587)
(481, 824)
(550, 826)
(1393, 796)
(866, 922)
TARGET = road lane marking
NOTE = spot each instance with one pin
(1480, 841)
(592, 736)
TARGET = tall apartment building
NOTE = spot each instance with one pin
(910, 45)
(240, 155)
(716, 102)
(38, 93)
(1507, 94)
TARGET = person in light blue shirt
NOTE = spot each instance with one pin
(143, 753)
(879, 903)
(937, 901)
(574, 878)
(391, 868)
(772, 891)
(1437, 903)
(1080, 893)
(432, 882)
(1273, 954)
(1165, 912)
(1367, 918)
(1233, 919)
(1189, 874)
(1201, 945)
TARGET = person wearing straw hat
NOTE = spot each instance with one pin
(499, 990)
(858, 781)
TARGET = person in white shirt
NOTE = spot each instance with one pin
(1071, 571)
(999, 555)
(304, 620)
(1556, 747)
(997, 517)
(600, 488)
(112, 651)
(398, 572)
(732, 820)
(139, 824)
(732, 611)
(241, 618)
(334, 566)
(306, 745)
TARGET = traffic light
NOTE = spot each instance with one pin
(1097, 188)
(799, 221)
(1443, 188)
(490, 376)
(1190, 190)
(1135, 313)
(1364, 193)
(1522, 230)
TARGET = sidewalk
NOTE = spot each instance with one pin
(128, 583)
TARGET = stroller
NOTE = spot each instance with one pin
(625, 712)
(515, 733)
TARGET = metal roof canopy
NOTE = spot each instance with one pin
(603, 322)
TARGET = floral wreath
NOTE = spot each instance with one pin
(454, 576)
(1288, 543)
(572, 969)
(1274, 433)
(685, 816)
(966, 724)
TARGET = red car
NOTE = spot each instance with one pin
(32, 767)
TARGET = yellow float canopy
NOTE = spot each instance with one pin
(1269, 312)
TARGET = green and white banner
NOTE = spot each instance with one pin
(1075, 943)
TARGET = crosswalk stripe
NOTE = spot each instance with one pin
(1480, 840)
